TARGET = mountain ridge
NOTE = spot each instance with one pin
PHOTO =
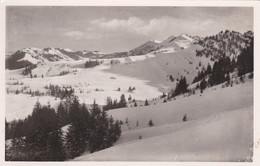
(32, 56)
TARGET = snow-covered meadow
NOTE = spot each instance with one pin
(89, 85)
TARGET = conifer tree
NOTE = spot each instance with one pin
(122, 102)
(150, 123)
(63, 116)
(55, 149)
(146, 103)
(73, 142)
(76, 139)
(184, 118)
(203, 85)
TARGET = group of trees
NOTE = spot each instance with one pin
(201, 74)
(28, 70)
(90, 130)
(114, 104)
(245, 60)
(222, 68)
(61, 92)
(181, 87)
(228, 42)
(64, 72)
(220, 72)
(33, 136)
(39, 136)
(131, 89)
(91, 63)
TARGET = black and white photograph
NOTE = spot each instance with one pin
(129, 83)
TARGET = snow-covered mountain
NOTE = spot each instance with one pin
(227, 42)
(170, 44)
(29, 56)
(145, 48)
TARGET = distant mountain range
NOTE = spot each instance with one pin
(229, 42)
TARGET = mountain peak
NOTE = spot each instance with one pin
(184, 36)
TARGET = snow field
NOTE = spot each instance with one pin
(20, 106)
(89, 85)
(177, 64)
(212, 141)
(219, 128)
(199, 105)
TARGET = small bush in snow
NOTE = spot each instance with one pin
(184, 118)
(150, 123)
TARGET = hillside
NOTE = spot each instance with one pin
(229, 43)
(204, 136)
(157, 70)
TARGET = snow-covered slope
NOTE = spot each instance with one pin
(29, 56)
(170, 44)
(145, 48)
(182, 62)
(213, 132)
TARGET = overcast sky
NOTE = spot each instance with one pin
(112, 29)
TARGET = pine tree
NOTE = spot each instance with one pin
(73, 142)
(150, 123)
(203, 85)
(95, 124)
(55, 149)
(181, 87)
(122, 102)
(209, 70)
(129, 98)
(63, 116)
(171, 78)
(245, 60)
(78, 133)
(146, 103)
(109, 104)
(135, 105)
(74, 110)
(184, 118)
